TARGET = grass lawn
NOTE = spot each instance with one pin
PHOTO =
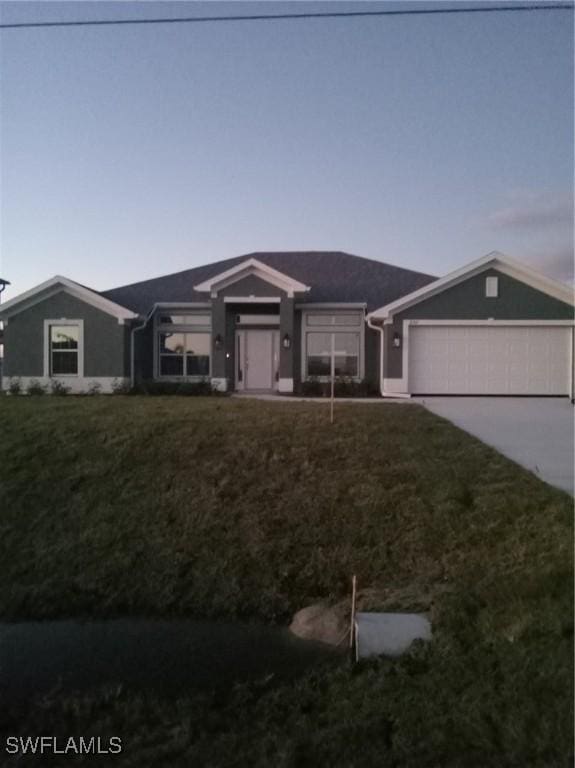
(223, 508)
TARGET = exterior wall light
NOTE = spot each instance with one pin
(396, 339)
(218, 342)
(286, 341)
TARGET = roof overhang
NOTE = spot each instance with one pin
(56, 285)
(248, 268)
(493, 260)
(331, 305)
(182, 305)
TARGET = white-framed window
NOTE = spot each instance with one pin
(182, 343)
(183, 354)
(184, 318)
(343, 348)
(491, 287)
(340, 318)
(63, 348)
(332, 341)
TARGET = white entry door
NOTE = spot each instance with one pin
(257, 361)
(489, 360)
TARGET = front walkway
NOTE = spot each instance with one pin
(536, 432)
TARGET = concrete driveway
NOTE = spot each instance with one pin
(536, 432)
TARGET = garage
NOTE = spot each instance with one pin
(489, 359)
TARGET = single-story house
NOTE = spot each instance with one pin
(266, 322)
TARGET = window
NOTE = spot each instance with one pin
(342, 318)
(64, 343)
(491, 287)
(319, 354)
(343, 347)
(336, 336)
(184, 354)
(185, 319)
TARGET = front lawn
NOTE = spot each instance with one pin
(222, 508)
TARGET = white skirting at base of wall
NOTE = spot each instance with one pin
(395, 386)
(220, 384)
(285, 385)
(76, 385)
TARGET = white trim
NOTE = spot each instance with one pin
(158, 328)
(63, 321)
(252, 299)
(536, 280)
(387, 387)
(285, 385)
(77, 384)
(182, 305)
(28, 298)
(331, 305)
(257, 319)
(379, 329)
(158, 307)
(494, 260)
(394, 387)
(32, 301)
(405, 353)
(239, 360)
(359, 328)
(220, 384)
(252, 267)
(489, 321)
(184, 331)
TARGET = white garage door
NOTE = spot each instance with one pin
(489, 360)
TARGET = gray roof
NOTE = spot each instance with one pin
(332, 275)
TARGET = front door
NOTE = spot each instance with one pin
(257, 361)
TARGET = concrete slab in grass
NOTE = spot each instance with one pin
(388, 634)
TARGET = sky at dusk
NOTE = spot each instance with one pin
(426, 142)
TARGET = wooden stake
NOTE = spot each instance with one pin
(352, 624)
(332, 377)
(331, 403)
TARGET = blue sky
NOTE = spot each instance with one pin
(131, 152)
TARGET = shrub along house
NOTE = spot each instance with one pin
(267, 322)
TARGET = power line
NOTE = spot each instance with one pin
(283, 16)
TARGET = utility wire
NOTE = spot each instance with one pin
(283, 16)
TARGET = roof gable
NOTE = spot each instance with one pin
(252, 267)
(496, 260)
(55, 285)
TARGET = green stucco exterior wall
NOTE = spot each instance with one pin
(106, 342)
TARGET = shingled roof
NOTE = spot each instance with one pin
(332, 275)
